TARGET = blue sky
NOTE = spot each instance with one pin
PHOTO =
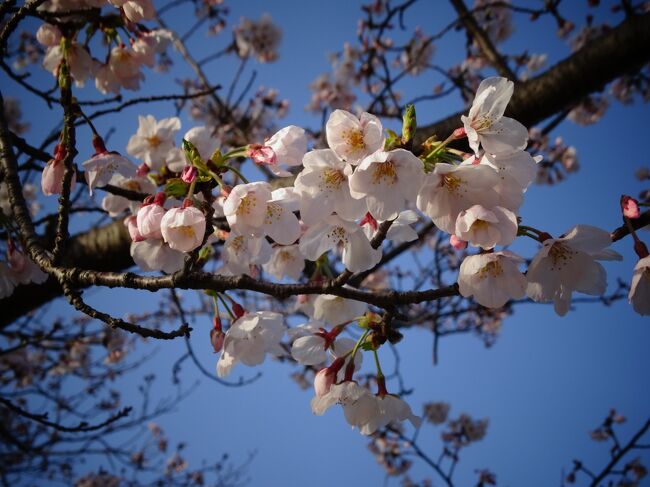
(544, 384)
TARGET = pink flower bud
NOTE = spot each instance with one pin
(142, 170)
(630, 207)
(323, 381)
(52, 177)
(148, 220)
(159, 199)
(262, 154)
(238, 310)
(48, 35)
(369, 220)
(189, 174)
(459, 133)
(457, 243)
(217, 338)
(132, 226)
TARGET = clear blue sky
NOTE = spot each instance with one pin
(544, 384)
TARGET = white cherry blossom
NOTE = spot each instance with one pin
(101, 167)
(156, 255)
(639, 295)
(568, 264)
(516, 171)
(358, 254)
(492, 278)
(286, 260)
(241, 251)
(324, 189)
(153, 140)
(486, 123)
(449, 189)
(487, 227)
(245, 207)
(81, 64)
(115, 204)
(351, 138)
(386, 181)
(249, 339)
(183, 228)
(288, 146)
(337, 310)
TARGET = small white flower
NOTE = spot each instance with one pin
(309, 350)
(639, 295)
(568, 264)
(449, 189)
(81, 64)
(249, 339)
(115, 204)
(289, 146)
(492, 278)
(156, 255)
(183, 228)
(285, 261)
(386, 181)
(240, 252)
(245, 207)
(352, 138)
(100, 168)
(153, 140)
(202, 139)
(323, 188)
(486, 123)
(358, 254)
(487, 227)
(337, 310)
(516, 172)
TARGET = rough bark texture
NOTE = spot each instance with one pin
(624, 49)
(105, 248)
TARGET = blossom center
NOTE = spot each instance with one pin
(332, 179)
(338, 234)
(246, 204)
(560, 256)
(273, 212)
(384, 173)
(154, 141)
(186, 231)
(354, 139)
(491, 269)
(451, 183)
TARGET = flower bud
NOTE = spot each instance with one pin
(132, 226)
(457, 243)
(261, 154)
(189, 174)
(148, 220)
(630, 207)
(142, 170)
(323, 381)
(238, 310)
(409, 124)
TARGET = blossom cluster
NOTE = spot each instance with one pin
(363, 188)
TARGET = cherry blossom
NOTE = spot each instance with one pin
(286, 260)
(337, 310)
(287, 146)
(449, 189)
(249, 339)
(153, 140)
(183, 228)
(245, 207)
(568, 264)
(486, 123)
(156, 255)
(358, 255)
(516, 171)
(259, 39)
(48, 35)
(486, 228)
(386, 180)
(639, 295)
(81, 64)
(149, 218)
(492, 278)
(52, 177)
(136, 10)
(323, 188)
(241, 251)
(115, 204)
(351, 138)
(101, 167)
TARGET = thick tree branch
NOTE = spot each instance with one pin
(620, 51)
